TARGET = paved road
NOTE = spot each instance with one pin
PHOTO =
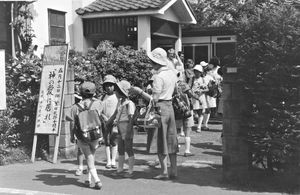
(200, 174)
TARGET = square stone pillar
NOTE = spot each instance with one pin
(235, 148)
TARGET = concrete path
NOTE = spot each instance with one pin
(199, 174)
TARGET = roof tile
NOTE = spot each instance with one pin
(121, 5)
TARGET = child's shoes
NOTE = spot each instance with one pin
(98, 185)
(87, 183)
(78, 172)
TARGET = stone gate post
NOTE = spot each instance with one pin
(235, 149)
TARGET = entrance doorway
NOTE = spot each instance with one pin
(198, 53)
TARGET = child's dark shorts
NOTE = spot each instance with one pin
(110, 139)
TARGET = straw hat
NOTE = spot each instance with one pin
(159, 56)
(124, 87)
(198, 67)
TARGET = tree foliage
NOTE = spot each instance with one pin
(268, 53)
(22, 25)
(123, 62)
(216, 13)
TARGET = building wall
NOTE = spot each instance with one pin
(73, 22)
(203, 48)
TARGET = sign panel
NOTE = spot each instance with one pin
(231, 70)
(50, 105)
(2, 81)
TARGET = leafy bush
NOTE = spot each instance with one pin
(12, 155)
(22, 82)
(268, 52)
(9, 137)
(123, 62)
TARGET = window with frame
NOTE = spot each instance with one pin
(57, 27)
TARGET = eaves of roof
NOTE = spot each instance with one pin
(102, 6)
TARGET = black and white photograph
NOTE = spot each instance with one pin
(154, 97)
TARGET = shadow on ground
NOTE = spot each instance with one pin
(201, 174)
(193, 170)
(207, 145)
(211, 175)
(54, 177)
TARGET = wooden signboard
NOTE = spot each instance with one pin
(51, 97)
(2, 80)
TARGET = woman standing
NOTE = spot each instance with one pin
(163, 88)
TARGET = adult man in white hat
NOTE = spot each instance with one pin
(163, 87)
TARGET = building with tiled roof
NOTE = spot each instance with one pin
(137, 7)
(139, 23)
(84, 23)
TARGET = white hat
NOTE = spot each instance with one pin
(203, 63)
(159, 56)
(198, 67)
(124, 87)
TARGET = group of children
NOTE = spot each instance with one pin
(117, 111)
(194, 81)
(200, 77)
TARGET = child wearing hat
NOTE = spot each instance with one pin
(78, 98)
(199, 88)
(110, 102)
(87, 91)
(123, 120)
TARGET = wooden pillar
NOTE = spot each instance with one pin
(235, 148)
(144, 33)
(66, 148)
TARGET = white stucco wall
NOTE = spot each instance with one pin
(74, 31)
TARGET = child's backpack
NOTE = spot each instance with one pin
(181, 108)
(180, 102)
(214, 89)
(88, 124)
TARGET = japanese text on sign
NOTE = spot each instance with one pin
(51, 91)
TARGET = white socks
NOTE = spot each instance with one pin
(200, 120)
(114, 152)
(108, 158)
(205, 119)
(187, 144)
(93, 173)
